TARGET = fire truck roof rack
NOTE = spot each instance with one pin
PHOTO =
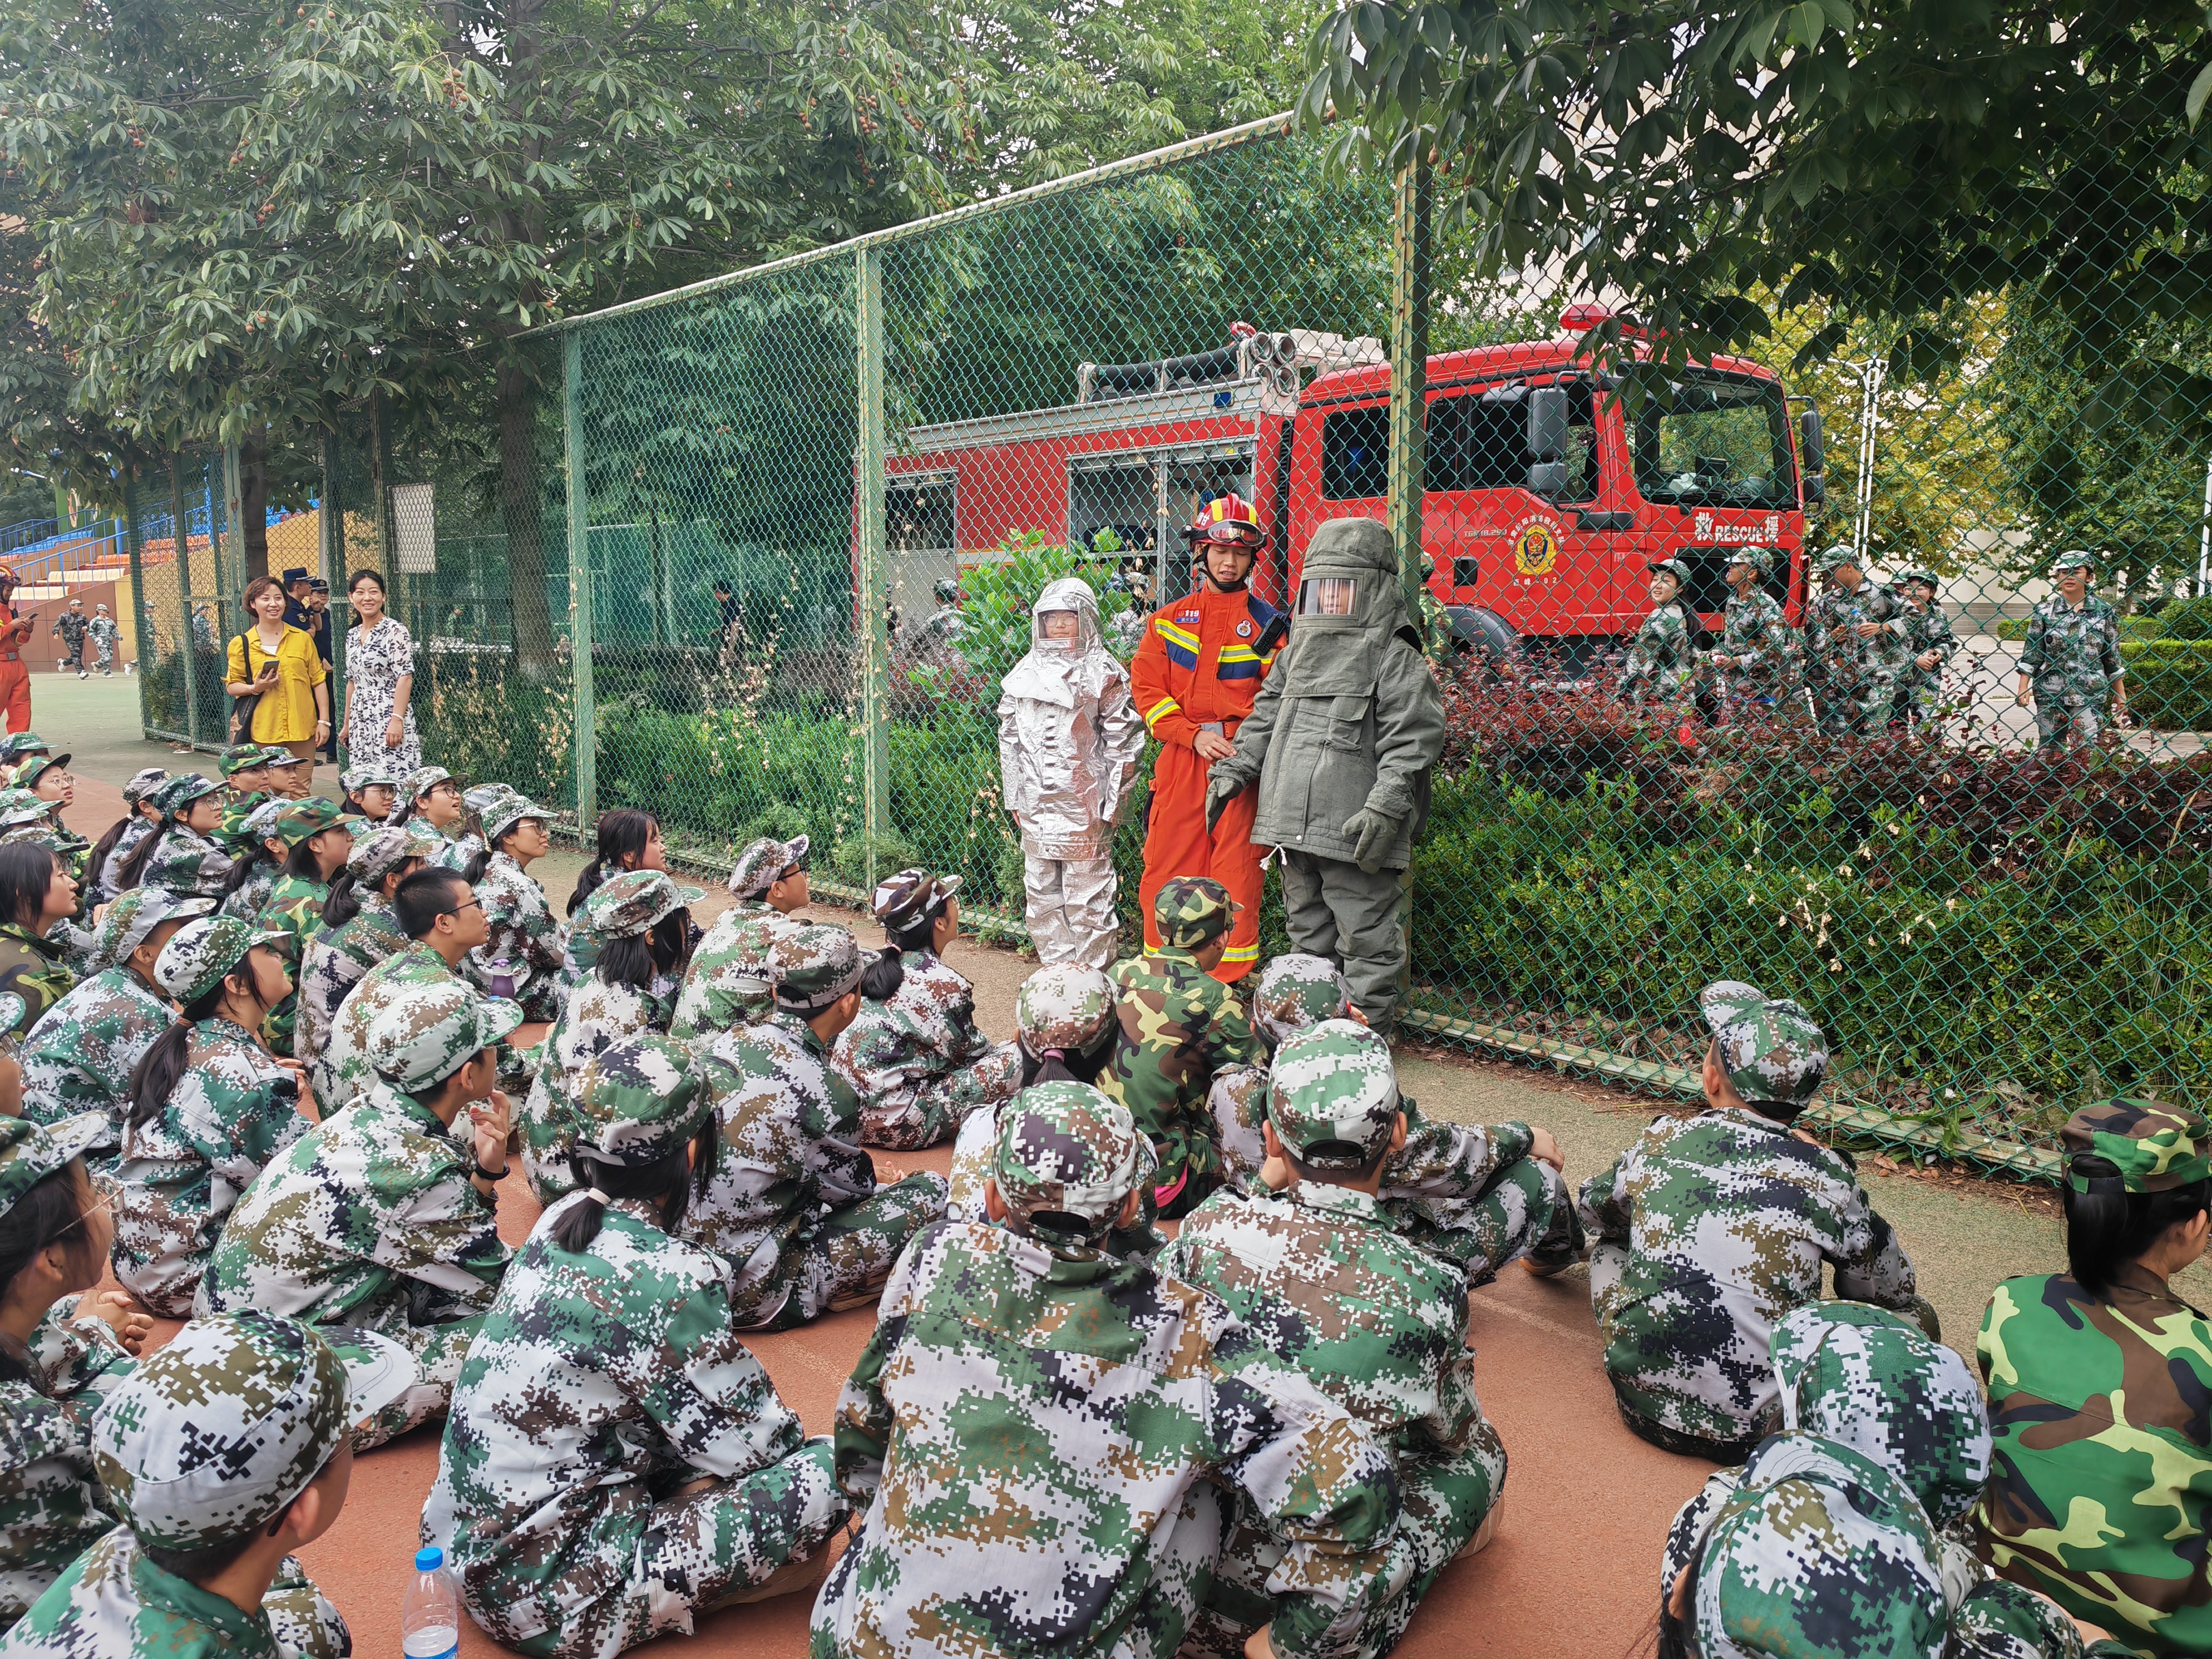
(1251, 354)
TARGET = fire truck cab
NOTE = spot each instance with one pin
(1546, 503)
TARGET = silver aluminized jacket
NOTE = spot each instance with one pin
(1351, 718)
(1068, 733)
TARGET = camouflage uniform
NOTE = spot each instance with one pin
(33, 974)
(341, 1073)
(2072, 657)
(450, 848)
(596, 1013)
(336, 957)
(915, 1059)
(70, 628)
(1033, 1424)
(293, 914)
(2102, 1488)
(233, 1111)
(104, 634)
(1661, 661)
(522, 958)
(1834, 1541)
(140, 788)
(1439, 641)
(51, 1507)
(1467, 1193)
(1713, 1227)
(189, 865)
(1854, 681)
(602, 1379)
(80, 1056)
(726, 984)
(1179, 1028)
(372, 1219)
(206, 1441)
(1317, 1274)
(1920, 690)
(794, 1205)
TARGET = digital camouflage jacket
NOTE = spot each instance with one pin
(342, 1073)
(726, 984)
(1661, 661)
(32, 970)
(2073, 653)
(521, 960)
(80, 1056)
(52, 1507)
(188, 864)
(333, 963)
(595, 1014)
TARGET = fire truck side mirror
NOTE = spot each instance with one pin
(1816, 488)
(1812, 445)
(1548, 424)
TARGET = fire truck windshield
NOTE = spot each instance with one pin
(1724, 443)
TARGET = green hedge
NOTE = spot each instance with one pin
(2131, 628)
(2170, 683)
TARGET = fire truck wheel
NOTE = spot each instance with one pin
(1478, 629)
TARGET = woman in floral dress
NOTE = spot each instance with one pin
(380, 675)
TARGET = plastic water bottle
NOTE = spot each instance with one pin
(430, 1619)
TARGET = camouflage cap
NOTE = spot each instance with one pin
(1772, 1051)
(182, 790)
(1067, 1149)
(1674, 567)
(1296, 991)
(209, 1438)
(37, 766)
(384, 849)
(1834, 557)
(482, 796)
(900, 901)
(260, 823)
(947, 589)
(1065, 1009)
(143, 785)
(280, 757)
(763, 864)
(1191, 911)
(638, 1100)
(426, 1033)
(22, 806)
(1760, 559)
(509, 809)
(194, 962)
(17, 745)
(1333, 1096)
(1870, 1379)
(132, 918)
(1915, 574)
(242, 757)
(29, 1152)
(629, 903)
(2156, 1146)
(811, 964)
(423, 779)
(2074, 558)
(303, 820)
(361, 775)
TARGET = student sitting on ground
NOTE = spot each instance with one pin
(81, 1053)
(640, 924)
(257, 859)
(434, 803)
(1712, 1227)
(140, 819)
(807, 1222)
(521, 960)
(184, 857)
(628, 839)
(62, 1349)
(726, 984)
(210, 1106)
(1479, 1196)
(438, 912)
(245, 771)
(359, 929)
(1834, 1541)
(1180, 1028)
(224, 1452)
(913, 1056)
(316, 842)
(2098, 1381)
(37, 894)
(669, 1480)
(382, 1217)
(1046, 1437)
(1314, 1270)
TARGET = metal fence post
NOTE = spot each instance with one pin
(1409, 444)
(874, 595)
(329, 555)
(180, 542)
(134, 540)
(580, 583)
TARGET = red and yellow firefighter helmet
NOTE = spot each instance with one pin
(1228, 519)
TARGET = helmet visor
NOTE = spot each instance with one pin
(1327, 596)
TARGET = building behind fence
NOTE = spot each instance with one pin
(710, 529)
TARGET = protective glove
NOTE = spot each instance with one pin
(1220, 792)
(1371, 834)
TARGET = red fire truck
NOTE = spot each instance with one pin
(1545, 500)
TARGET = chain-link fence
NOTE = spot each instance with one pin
(815, 500)
(187, 575)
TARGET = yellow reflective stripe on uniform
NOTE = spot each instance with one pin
(1180, 636)
(1239, 653)
(1242, 953)
(1164, 705)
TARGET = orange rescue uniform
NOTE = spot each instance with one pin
(14, 676)
(1200, 663)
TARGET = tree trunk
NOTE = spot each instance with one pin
(253, 502)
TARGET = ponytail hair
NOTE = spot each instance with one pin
(243, 871)
(1067, 1064)
(622, 833)
(2108, 1227)
(669, 1183)
(343, 904)
(132, 871)
(881, 979)
(96, 860)
(302, 863)
(156, 1075)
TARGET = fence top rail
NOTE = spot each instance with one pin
(1130, 167)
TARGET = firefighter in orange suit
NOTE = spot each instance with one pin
(14, 677)
(1196, 672)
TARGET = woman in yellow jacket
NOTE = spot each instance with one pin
(279, 664)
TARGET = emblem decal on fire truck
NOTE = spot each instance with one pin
(1535, 546)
